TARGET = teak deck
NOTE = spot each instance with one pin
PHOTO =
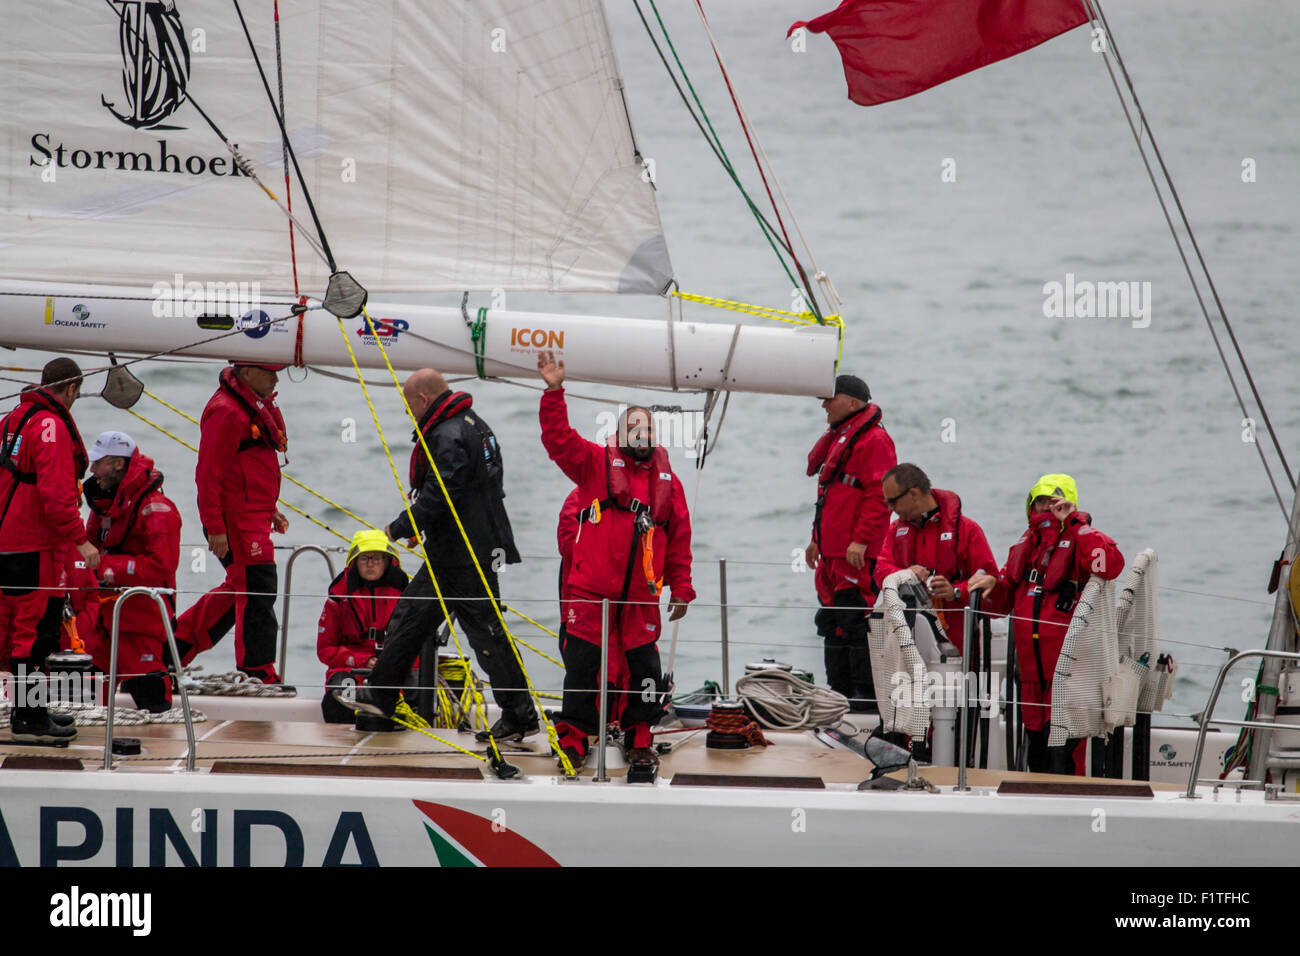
(319, 749)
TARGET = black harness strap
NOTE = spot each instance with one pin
(837, 474)
(1039, 594)
(10, 464)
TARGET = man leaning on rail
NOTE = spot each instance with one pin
(469, 462)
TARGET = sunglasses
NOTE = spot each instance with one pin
(898, 497)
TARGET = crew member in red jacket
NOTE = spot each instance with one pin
(42, 459)
(634, 536)
(849, 525)
(1046, 571)
(138, 531)
(354, 621)
(941, 545)
(566, 533)
(241, 438)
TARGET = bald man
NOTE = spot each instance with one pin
(469, 462)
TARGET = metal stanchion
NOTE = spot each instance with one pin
(963, 716)
(604, 693)
(284, 611)
(722, 591)
(110, 693)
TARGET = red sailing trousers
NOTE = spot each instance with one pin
(246, 600)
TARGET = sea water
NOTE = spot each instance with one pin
(944, 220)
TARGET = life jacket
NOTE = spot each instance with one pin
(118, 510)
(37, 400)
(647, 515)
(267, 427)
(352, 591)
(1052, 571)
(906, 536)
(828, 472)
(1048, 573)
(447, 406)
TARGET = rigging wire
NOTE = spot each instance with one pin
(744, 127)
(1209, 279)
(551, 733)
(1135, 129)
(768, 231)
(333, 504)
(86, 373)
(288, 146)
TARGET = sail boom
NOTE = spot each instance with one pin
(602, 349)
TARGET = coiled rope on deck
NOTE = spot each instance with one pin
(232, 684)
(780, 701)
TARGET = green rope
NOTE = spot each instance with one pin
(478, 335)
(716, 143)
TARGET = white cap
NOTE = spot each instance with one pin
(112, 443)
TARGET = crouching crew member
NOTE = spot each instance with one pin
(633, 537)
(355, 618)
(42, 459)
(1046, 571)
(238, 477)
(138, 531)
(849, 525)
(931, 536)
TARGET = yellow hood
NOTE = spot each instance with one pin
(1053, 486)
(364, 542)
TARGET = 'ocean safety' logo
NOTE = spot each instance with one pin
(155, 63)
(461, 838)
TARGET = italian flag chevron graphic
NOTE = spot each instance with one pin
(461, 838)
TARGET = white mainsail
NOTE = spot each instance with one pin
(448, 145)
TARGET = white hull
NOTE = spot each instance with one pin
(630, 352)
(156, 813)
(584, 823)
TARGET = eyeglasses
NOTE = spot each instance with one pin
(892, 501)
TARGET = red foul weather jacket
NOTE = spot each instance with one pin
(567, 531)
(947, 543)
(40, 491)
(603, 548)
(353, 607)
(137, 530)
(1045, 573)
(241, 436)
(850, 461)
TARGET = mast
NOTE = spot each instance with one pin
(1281, 637)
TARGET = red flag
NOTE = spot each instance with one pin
(894, 48)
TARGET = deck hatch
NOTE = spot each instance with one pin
(738, 780)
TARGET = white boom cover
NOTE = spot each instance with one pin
(447, 145)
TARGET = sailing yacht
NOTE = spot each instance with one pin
(218, 183)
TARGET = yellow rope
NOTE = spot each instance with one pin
(283, 474)
(424, 554)
(551, 735)
(779, 315)
(332, 504)
(413, 721)
(293, 508)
